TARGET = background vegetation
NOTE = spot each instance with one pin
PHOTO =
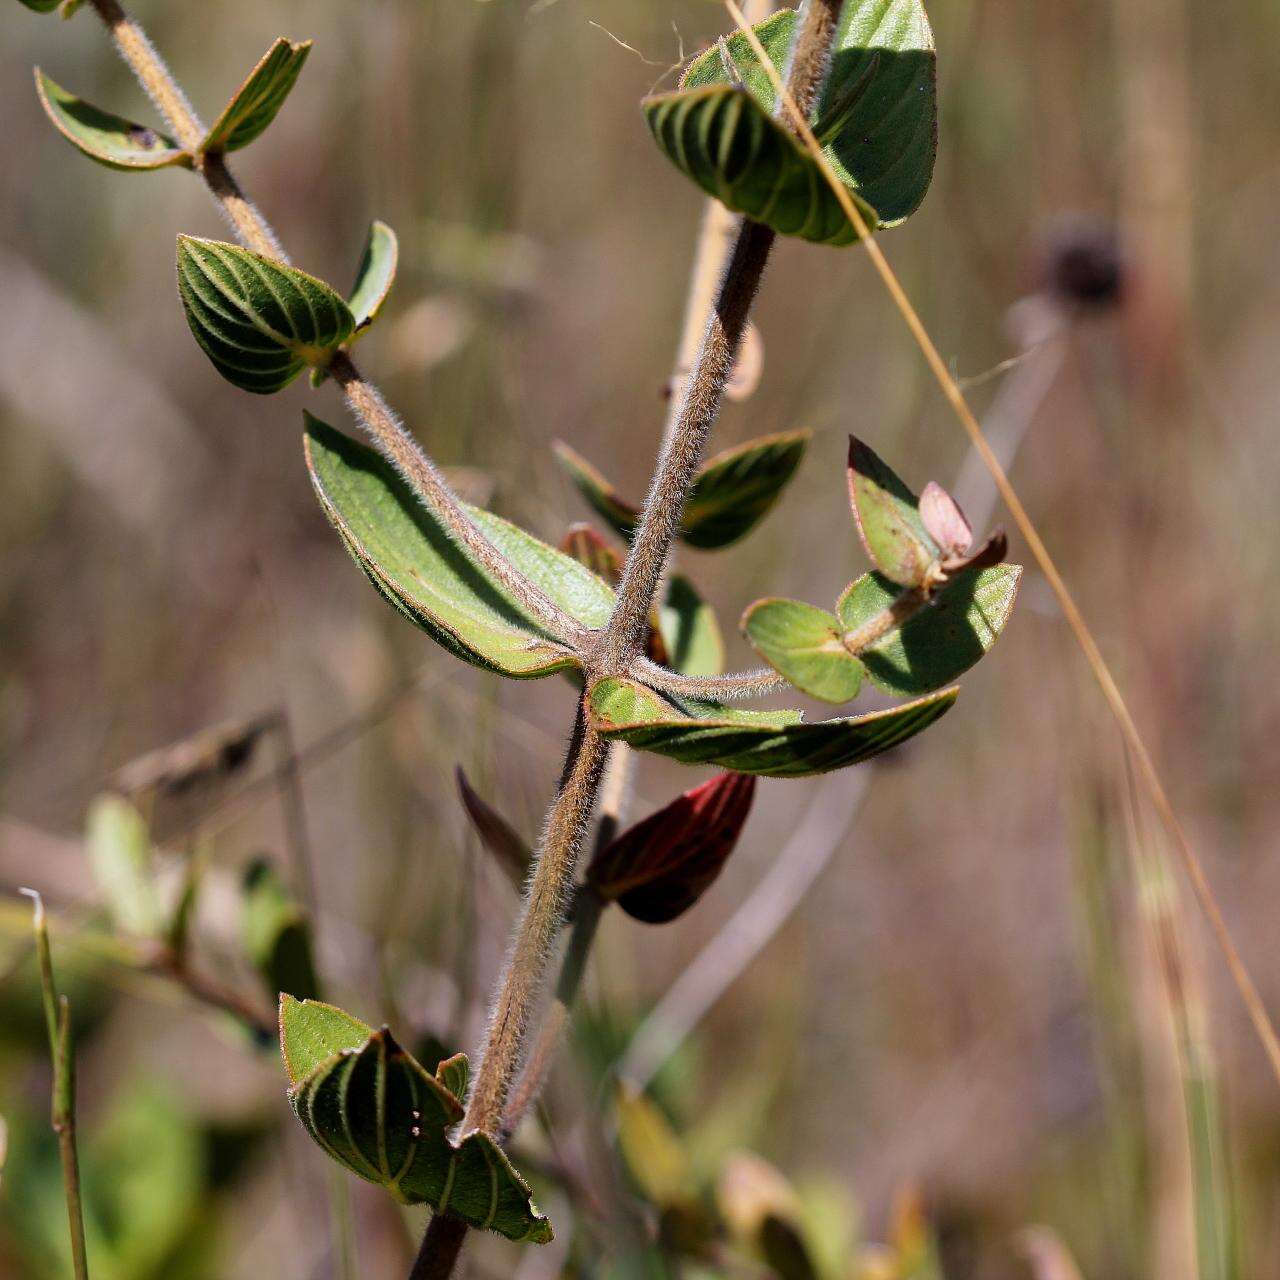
(966, 1005)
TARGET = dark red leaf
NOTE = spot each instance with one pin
(656, 870)
(495, 832)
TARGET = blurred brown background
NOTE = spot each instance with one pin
(965, 1003)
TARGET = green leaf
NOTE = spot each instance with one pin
(41, 6)
(878, 115)
(375, 275)
(769, 743)
(654, 1155)
(690, 631)
(277, 934)
(604, 499)
(256, 103)
(259, 322)
(734, 150)
(943, 638)
(312, 1032)
(888, 520)
(731, 494)
(455, 1074)
(109, 139)
(374, 1109)
(121, 858)
(803, 645)
(413, 562)
(735, 490)
(659, 868)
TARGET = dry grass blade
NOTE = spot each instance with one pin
(1133, 738)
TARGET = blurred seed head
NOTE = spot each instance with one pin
(1082, 263)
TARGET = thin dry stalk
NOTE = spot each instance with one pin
(1143, 760)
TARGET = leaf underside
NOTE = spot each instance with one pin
(725, 141)
(885, 144)
(413, 562)
(258, 100)
(767, 743)
(260, 323)
(375, 1110)
(888, 521)
(375, 275)
(109, 139)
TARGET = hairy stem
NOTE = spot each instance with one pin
(699, 399)
(741, 684)
(535, 939)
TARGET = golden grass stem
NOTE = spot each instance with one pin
(1143, 760)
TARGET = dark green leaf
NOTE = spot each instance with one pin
(259, 322)
(888, 520)
(656, 870)
(941, 640)
(730, 496)
(373, 1108)
(803, 644)
(769, 743)
(109, 139)
(735, 489)
(311, 1032)
(620, 515)
(877, 117)
(410, 557)
(724, 140)
(41, 6)
(690, 631)
(277, 934)
(255, 104)
(497, 835)
(120, 855)
(375, 275)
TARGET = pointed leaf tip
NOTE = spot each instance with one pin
(258, 100)
(659, 868)
(497, 835)
(312, 1032)
(259, 322)
(888, 521)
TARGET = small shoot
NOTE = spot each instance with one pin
(276, 934)
(57, 1013)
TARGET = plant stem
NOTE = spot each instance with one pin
(522, 977)
(700, 398)
(441, 1245)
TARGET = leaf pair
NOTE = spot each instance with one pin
(732, 493)
(876, 120)
(262, 323)
(120, 143)
(375, 1110)
(931, 610)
